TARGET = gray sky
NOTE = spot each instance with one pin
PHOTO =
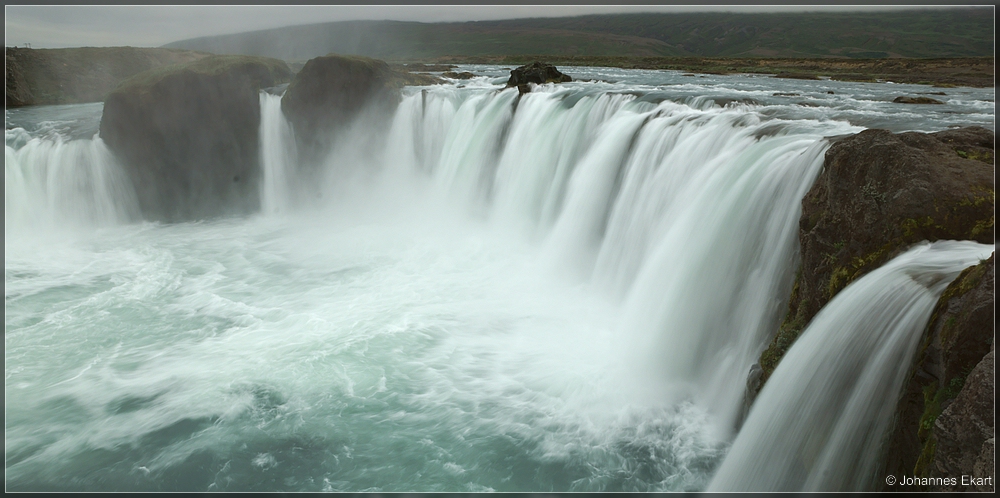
(152, 26)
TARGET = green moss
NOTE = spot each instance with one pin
(965, 282)
(955, 386)
(983, 226)
(842, 276)
(838, 280)
(922, 468)
(911, 227)
(934, 401)
(932, 408)
(788, 332)
(981, 196)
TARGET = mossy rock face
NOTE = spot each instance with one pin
(878, 194)
(187, 135)
(944, 416)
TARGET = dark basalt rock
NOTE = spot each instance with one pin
(187, 135)
(538, 73)
(464, 75)
(916, 100)
(878, 194)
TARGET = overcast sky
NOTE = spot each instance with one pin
(148, 26)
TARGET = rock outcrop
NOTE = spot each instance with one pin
(76, 75)
(187, 135)
(329, 92)
(464, 75)
(964, 429)
(878, 194)
(944, 420)
(916, 100)
(538, 73)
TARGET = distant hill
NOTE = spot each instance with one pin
(958, 32)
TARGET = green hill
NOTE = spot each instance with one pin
(958, 32)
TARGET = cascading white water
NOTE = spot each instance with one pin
(277, 155)
(688, 215)
(819, 422)
(58, 183)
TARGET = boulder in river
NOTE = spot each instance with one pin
(538, 73)
(187, 135)
(916, 100)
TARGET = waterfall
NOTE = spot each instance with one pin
(818, 423)
(277, 155)
(58, 183)
(687, 216)
(409, 267)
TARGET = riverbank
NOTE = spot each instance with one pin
(971, 71)
(77, 75)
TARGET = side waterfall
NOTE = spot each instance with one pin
(59, 183)
(819, 422)
(277, 155)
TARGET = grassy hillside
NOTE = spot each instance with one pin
(75, 75)
(966, 32)
(394, 40)
(917, 33)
